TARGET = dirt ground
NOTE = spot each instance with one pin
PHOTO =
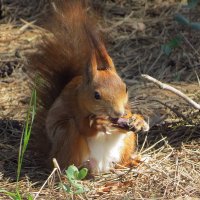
(135, 31)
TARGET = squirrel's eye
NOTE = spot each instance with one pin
(97, 95)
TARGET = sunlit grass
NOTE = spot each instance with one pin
(26, 133)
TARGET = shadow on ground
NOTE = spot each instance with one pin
(10, 134)
(175, 135)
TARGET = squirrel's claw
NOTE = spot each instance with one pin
(138, 123)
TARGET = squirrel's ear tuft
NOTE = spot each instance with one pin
(93, 65)
(111, 65)
(91, 69)
(105, 62)
(99, 61)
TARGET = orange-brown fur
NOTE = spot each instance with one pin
(72, 64)
(129, 148)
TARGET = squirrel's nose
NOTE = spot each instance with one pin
(118, 113)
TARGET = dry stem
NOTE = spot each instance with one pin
(173, 90)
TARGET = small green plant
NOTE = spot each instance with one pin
(26, 132)
(184, 21)
(74, 177)
(172, 44)
(15, 195)
(23, 146)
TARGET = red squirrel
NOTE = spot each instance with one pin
(79, 94)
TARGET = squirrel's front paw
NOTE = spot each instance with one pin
(138, 123)
(99, 123)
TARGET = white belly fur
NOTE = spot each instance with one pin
(105, 149)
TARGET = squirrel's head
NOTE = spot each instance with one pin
(104, 91)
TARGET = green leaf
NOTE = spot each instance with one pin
(192, 3)
(73, 175)
(182, 20)
(30, 197)
(72, 172)
(66, 188)
(195, 25)
(10, 194)
(80, 190)
(82, 173)
(76, 185)
(26, 132)
(175, 42)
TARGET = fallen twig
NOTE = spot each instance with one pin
(173, 90)
(55, 169)
(52, 173)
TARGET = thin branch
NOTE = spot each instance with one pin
(173, 90)
(52, 173)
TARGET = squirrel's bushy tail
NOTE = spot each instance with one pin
(61, 55)
(65, 52)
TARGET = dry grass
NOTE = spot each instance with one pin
(136, 30)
